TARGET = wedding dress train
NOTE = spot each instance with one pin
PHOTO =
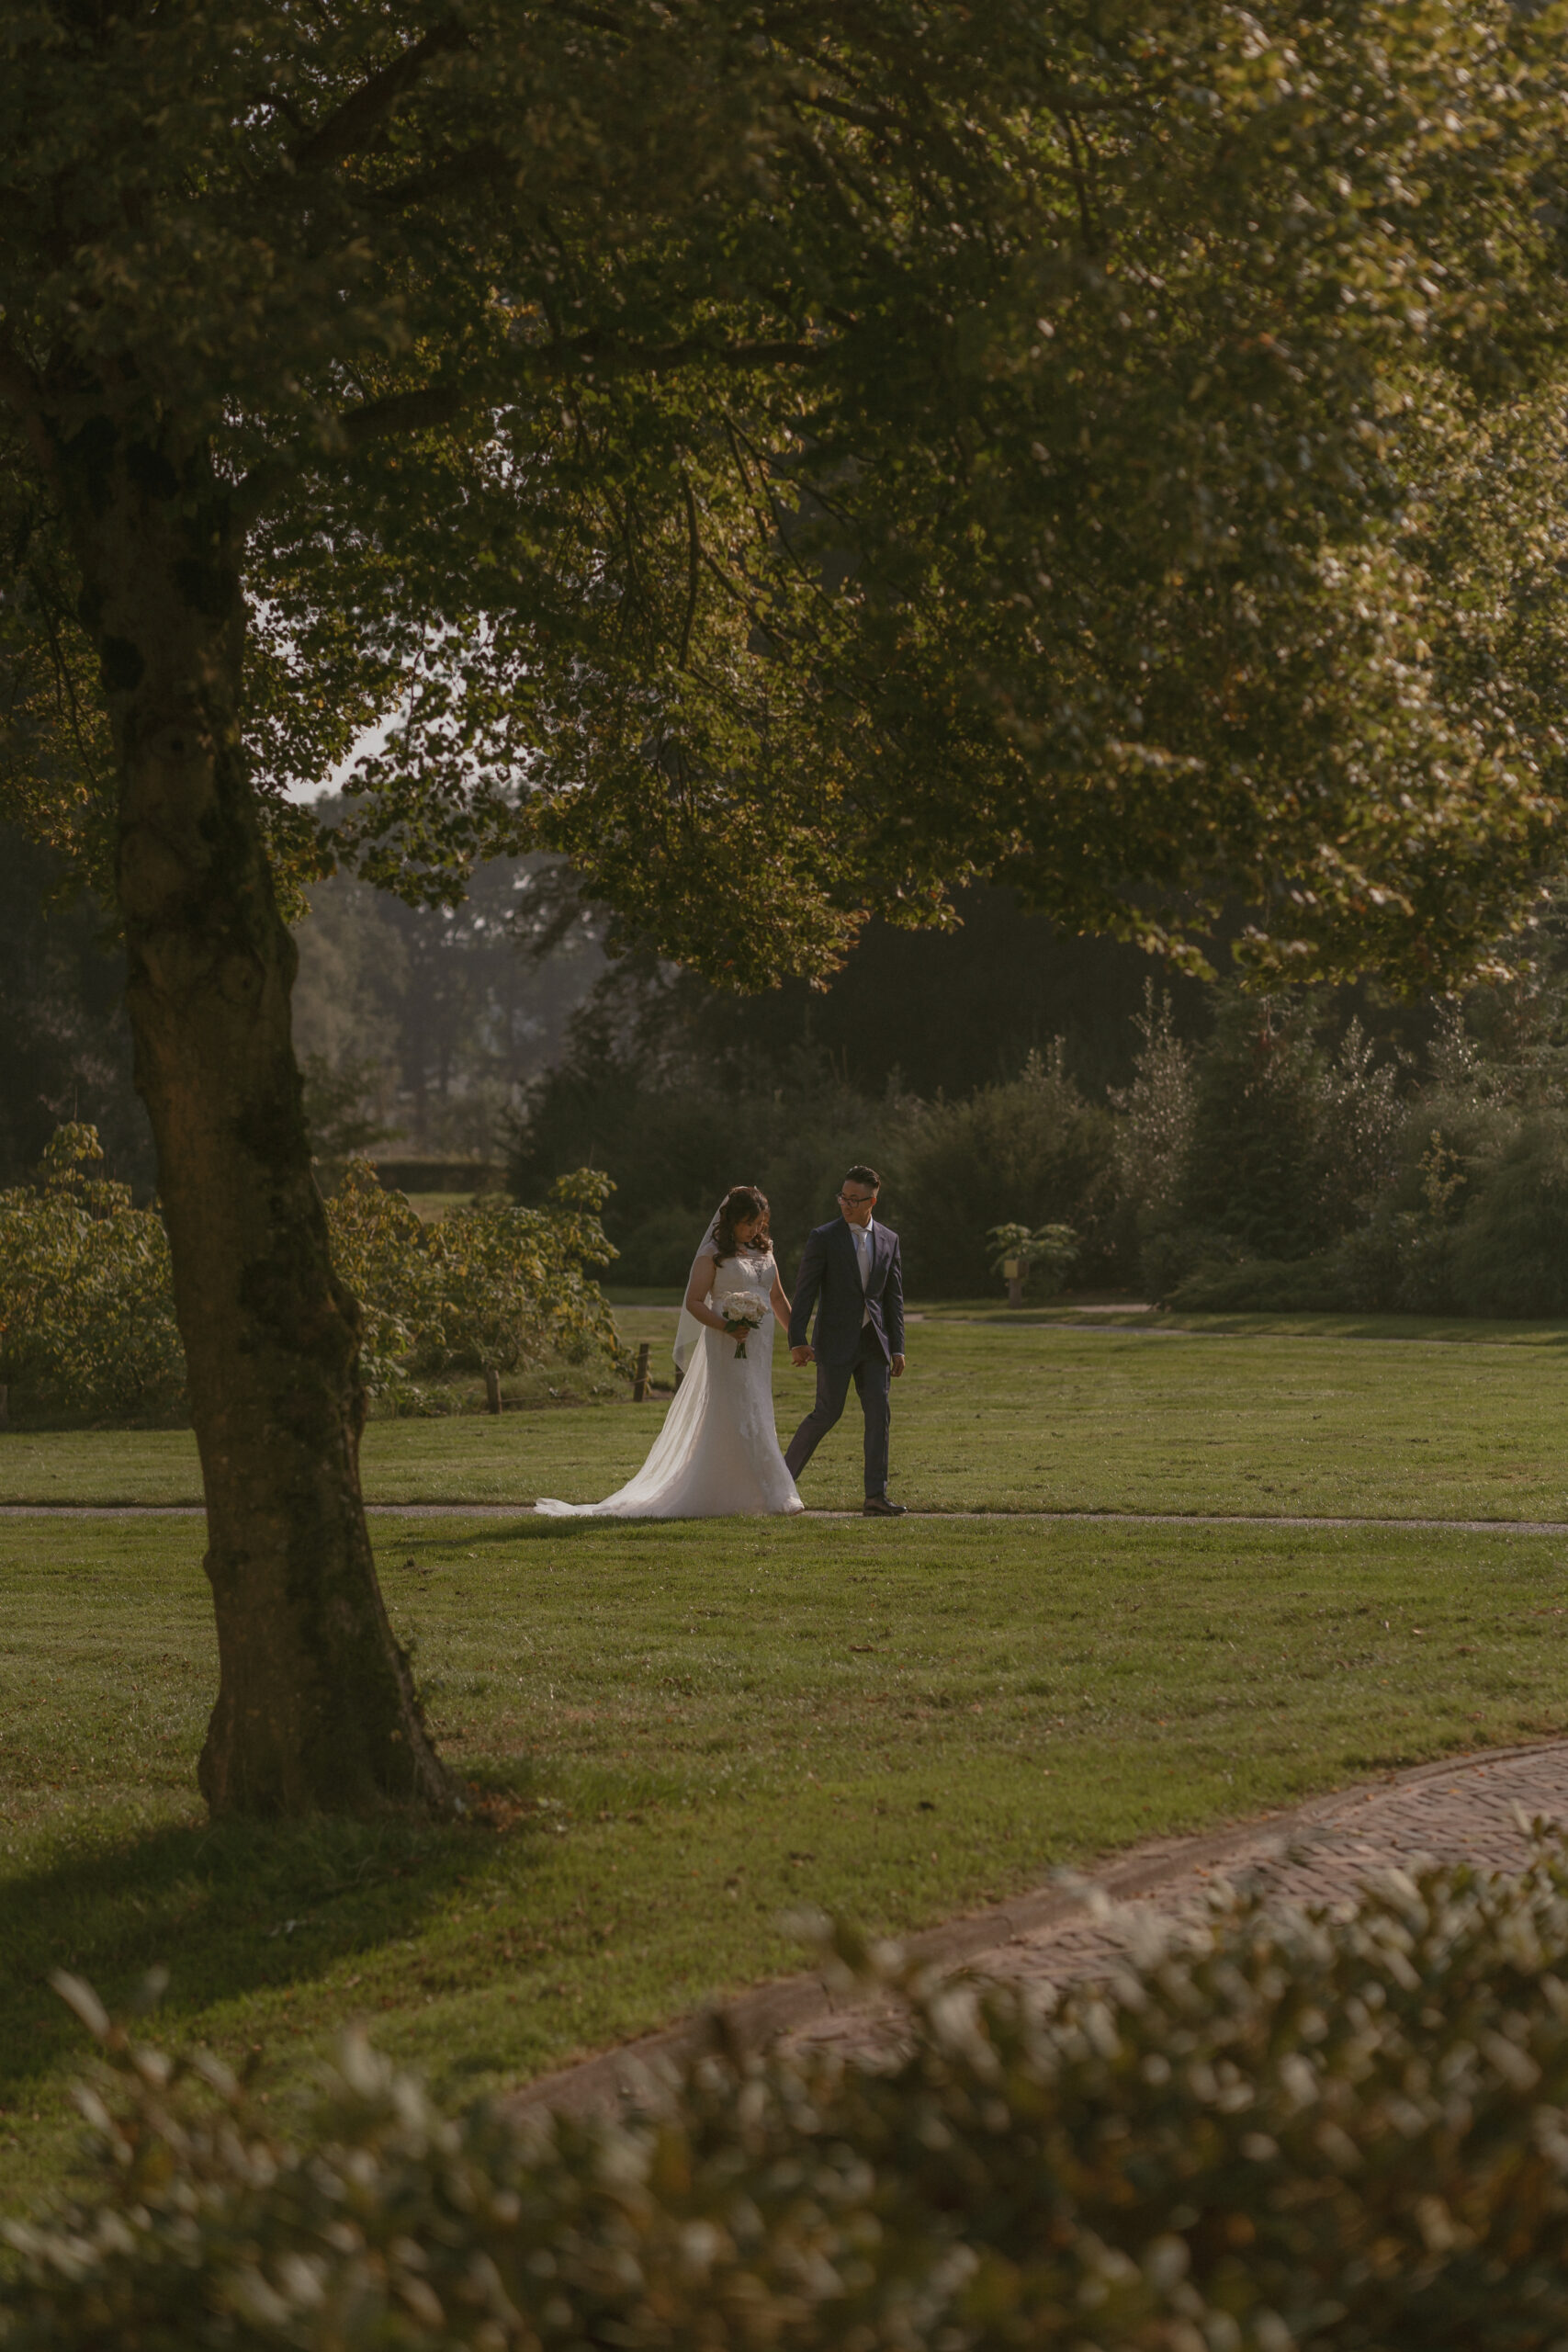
(717, 1452)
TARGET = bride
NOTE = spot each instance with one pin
(717, 1451)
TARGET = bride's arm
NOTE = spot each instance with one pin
(697, 1292)
(778, 1302)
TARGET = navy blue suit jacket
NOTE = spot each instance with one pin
(829, 1270)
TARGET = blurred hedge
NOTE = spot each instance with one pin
(487, 1284)
(87, 1322)
(1281, 2132)
(86, 1305)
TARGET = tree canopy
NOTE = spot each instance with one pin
(791, 457)
(794, 459)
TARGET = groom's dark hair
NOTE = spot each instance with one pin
(863, 1175)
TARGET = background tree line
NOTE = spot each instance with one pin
(1300, 1149)
(1314, 1149)
(418, 1027)
(433, 1032)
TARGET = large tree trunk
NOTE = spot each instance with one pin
(315, 1705)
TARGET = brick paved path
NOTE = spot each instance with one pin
(1318, 1852)
(1321, 1853)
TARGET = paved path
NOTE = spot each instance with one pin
(1318, 1852)
(1063, 1518)
(1043, 1517)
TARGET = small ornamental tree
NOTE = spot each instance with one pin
(790, 459)
(490, 1285)
(1052, 1248)
(87, 1321)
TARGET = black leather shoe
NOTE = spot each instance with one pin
(879, 1507)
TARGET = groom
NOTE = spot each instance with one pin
(853, 1264)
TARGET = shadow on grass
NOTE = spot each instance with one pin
(402, 1549)
(231, 1909)
(1445, 1329)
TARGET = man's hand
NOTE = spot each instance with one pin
(799, 1356)
(897, 1367)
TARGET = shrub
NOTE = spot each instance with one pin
(1362, 1127)
(490, 1285)
(1031, 1152)
(1510, 1253)
(673, 1142)
(1289, 1144)
(1251, 1178)
(1262, 1286)
(86, 1312)
(1053, 1250)
(1289, 1140)
(1285, 2131)
(1401, 1259)
(1152, 1146)
(659, 1251)
(341, 1123)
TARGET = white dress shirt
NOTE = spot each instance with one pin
(865, 1246)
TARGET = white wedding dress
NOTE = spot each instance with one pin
(717, 1452)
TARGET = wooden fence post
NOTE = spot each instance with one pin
(492, 1388)
(640, 1378)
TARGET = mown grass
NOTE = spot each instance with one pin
(1021, 1416)
(1450, 1329)
(687, 1731)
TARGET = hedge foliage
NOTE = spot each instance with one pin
(1282, 2130)
(488, 1285)
(87, 1314)
(86, 1311)
(1304, 1152)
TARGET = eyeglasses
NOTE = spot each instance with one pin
(857, 1200)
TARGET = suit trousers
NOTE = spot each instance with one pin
(869, 1370)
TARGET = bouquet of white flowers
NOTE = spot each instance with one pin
(743, 1311)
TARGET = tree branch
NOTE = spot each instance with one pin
(693, 569)
(654, 359)
(402, 412)
(64, 682)
(471, 168)
(20, 386)
(418, 411)
(877, 119)
(349, 130)
(438, 404)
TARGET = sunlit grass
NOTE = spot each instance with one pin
(689, 1730)
(1011, 1417)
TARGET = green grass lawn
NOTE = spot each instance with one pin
(686, 1730)
(1021, 1416)
(690, 1729)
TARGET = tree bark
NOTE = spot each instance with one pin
(316, 1707)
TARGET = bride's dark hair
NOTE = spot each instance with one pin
(741, 1201)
